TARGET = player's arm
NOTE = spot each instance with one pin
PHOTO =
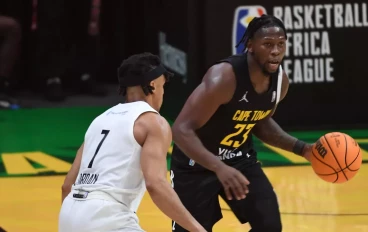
(153, 162)
(217, 88)
(271, 133)
(72, 174)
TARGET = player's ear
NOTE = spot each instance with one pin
(153, 85)
(249, 46)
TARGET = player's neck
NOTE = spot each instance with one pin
(257, 75)
(135, 98)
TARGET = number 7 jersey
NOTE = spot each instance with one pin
(111, 155)
(228, 133)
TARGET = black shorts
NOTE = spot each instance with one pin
(199, 190)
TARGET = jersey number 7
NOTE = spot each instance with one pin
(105, 133)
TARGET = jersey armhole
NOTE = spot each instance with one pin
(133, 140)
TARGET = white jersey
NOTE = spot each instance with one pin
(111, 155)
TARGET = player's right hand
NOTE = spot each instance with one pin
(234, 182)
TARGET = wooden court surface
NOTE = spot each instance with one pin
(307, 204)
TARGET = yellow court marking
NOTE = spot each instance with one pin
(288, 155)
(170, 149)
(364, 152)
(17, 163)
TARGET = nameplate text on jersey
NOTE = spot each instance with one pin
(87, 178)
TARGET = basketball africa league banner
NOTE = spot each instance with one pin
(309, 54)
(35, 142)
(324, 58)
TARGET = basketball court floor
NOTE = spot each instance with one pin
(36, 152)
(307, 204)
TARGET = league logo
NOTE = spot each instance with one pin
(243, 15)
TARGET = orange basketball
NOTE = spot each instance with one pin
(336, 157)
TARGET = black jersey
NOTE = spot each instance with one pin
(228, 133)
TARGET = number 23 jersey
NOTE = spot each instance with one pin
(228, 133)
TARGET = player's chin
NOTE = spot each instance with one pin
(272, 67)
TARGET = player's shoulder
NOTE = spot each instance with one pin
(151, 121)
(220, 81)
(151, 124)
(223, 70)
(220, 74)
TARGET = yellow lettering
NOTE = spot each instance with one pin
(241, 115)
(245, 116)
(228, 141)
(255, 113)
(236, 115)
(16, 163)
(264, 114)
(260, 114)
(245, 136)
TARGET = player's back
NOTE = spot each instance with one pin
(111, 155)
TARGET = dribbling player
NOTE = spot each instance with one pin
(214, 154)
(123, 154)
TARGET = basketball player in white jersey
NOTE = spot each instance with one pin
(123, 154)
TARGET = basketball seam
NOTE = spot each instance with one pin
(354, 161)
(333, 153)
(323, 162)
(346, 151)
(337, 174)
(347, 165)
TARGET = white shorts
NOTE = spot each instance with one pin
(96, 213)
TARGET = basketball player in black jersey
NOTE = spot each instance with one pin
(213, 152)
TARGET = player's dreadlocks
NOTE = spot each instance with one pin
(138, 65)
(257, 23)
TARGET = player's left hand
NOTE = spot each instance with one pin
(307, 152)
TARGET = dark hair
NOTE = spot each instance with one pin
(257, 23)
(138, 65)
